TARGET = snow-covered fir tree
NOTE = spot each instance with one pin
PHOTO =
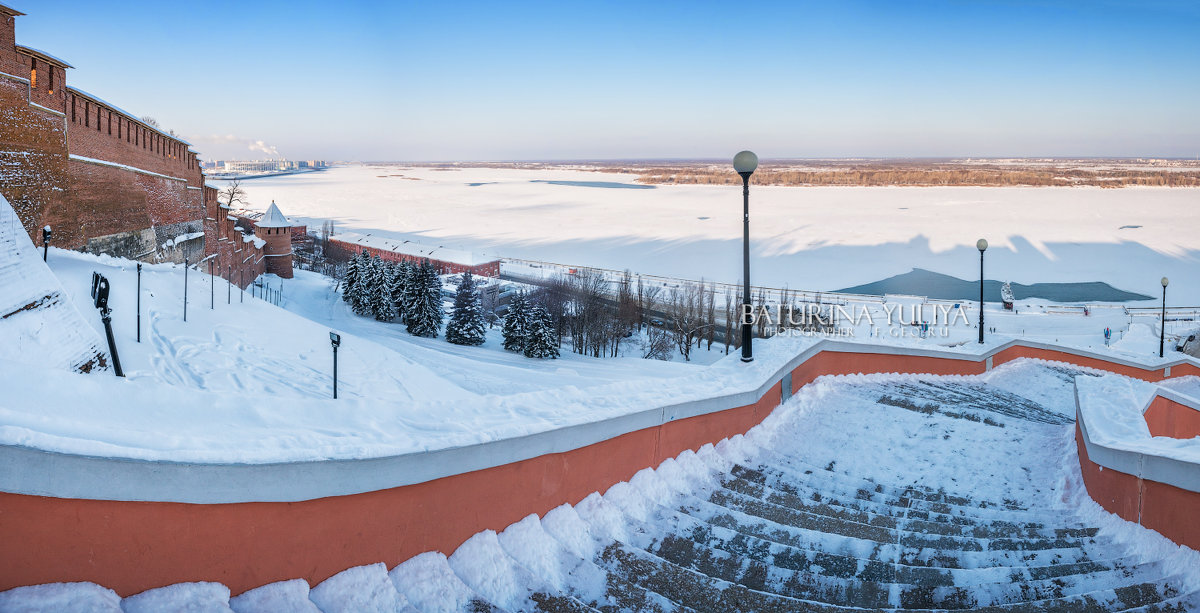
(467, 324)
(542, 340)
(379, 300)
(414, 281)
(350, 279)
(425, 312)
(516, 324)
(360, 294)
(399, 285)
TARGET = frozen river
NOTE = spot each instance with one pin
(819, 238)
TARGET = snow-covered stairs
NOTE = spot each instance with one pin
(878, 493)
(748, 526)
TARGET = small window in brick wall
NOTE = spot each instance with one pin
(33, 73)
(51, 75)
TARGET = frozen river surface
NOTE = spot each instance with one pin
(820, 238)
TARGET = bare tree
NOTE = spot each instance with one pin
(686, 311)
(150, 121)
(760, 307)
(234, 194)
(729, 315)
(710, 316)
(659, 344)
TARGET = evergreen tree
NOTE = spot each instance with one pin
(360, 299)
(380, 298)
(399, 283)
(542, 342)
(467, 324)
(425, 314)
(350, 279)
(414, 281)
(516, 324)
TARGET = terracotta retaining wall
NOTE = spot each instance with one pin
(134, 546)
(1166, 509)
(1167, 417)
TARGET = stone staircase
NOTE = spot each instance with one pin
(797, 516)
(743, 527)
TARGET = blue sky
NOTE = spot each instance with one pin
(559, 80)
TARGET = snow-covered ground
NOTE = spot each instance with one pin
(258, 377)
(821, 238)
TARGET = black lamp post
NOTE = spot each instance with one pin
(335, 339)
(744, 163)
(981, 245)
(45, 243)
(139, 302)
(100, 300)
(1162, 330)
(185, 269)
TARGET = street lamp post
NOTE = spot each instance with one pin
(981, 245)
(1162, 330)
(745, 163)
(139, 302)
(45, 243)
(335, 339)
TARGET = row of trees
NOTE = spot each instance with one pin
(979, 176)
(411, 293)
(581, 309)
(529, 329)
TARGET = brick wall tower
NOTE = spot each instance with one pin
(276, 230)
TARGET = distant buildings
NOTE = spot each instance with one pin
(255, 166)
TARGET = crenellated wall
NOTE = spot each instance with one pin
(103, 179)
(341, 251)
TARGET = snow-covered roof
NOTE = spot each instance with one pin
(273, 218)
(42, 55)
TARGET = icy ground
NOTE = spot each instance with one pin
(820, 238)
(876, 492)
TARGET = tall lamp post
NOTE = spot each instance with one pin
(335, 339)
(1162, 330)
(744, 163)
(45, 243)
(981, 245)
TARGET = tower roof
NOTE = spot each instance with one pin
(273, 218)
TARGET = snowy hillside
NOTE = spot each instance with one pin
(39, 323)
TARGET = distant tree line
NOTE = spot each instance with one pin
(919, 177)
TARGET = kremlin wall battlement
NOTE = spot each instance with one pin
(105, 180)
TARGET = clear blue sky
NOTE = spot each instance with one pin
(575, 80)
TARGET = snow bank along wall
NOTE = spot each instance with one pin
(103, 179)
(134, 525)
(1144, 483)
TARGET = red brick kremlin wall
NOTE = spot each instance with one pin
(341, 251)
(103, 179)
